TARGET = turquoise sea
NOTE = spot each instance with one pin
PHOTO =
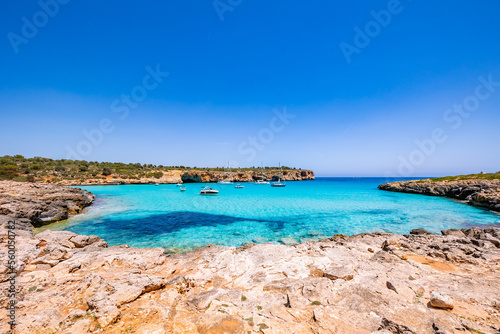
(163, 216)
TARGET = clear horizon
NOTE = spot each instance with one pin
(365, 89)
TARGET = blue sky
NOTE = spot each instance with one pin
(229, 78)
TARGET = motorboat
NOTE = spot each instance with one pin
(183, 188)
(279, 184)
(239, 186)
(157, 184)
(179, 184)
(208, 191)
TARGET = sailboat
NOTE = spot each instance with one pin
(261, 181)
(229, 180)
(279, 184)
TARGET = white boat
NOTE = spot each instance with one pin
(279, 184)
(239, 186)
(229, 180)
(179, 184)
(157, 184)
(208, 191)
(262, 181)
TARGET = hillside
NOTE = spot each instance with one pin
(78, 172)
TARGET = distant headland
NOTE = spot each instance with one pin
(481, 190)
(80, 172)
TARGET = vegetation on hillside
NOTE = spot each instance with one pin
(485, 176)
(19, 168)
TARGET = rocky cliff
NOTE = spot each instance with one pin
(369, 283)
(248, 176)
(196, 176)
(478, 192)
(41, 204)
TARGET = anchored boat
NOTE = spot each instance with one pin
(208, 191)
(229, 179)
(262, 181)
(279, 184)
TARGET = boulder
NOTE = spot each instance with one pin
(454, 232)
(419, 231)
(441, 300)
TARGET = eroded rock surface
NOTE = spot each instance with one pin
(366, 283)
(40, 204)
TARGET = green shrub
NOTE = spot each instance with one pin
(8, 172)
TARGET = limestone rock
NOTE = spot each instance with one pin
(454, 232)
(345, 272)
(392, 327)
(41, 203)
(419, 231)
(440, 300)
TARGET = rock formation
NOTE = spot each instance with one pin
(483, 193)
(288, 175)
(195, 176)
(41, 204)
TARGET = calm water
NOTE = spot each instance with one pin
(148, 215)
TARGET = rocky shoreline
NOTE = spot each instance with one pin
(368, 283)
(477, 192)
(194, 176)
(41, 204)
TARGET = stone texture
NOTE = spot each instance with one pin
(345, 272)
(453, 232)
(41, 203)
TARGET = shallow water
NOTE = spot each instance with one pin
(163, 216)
